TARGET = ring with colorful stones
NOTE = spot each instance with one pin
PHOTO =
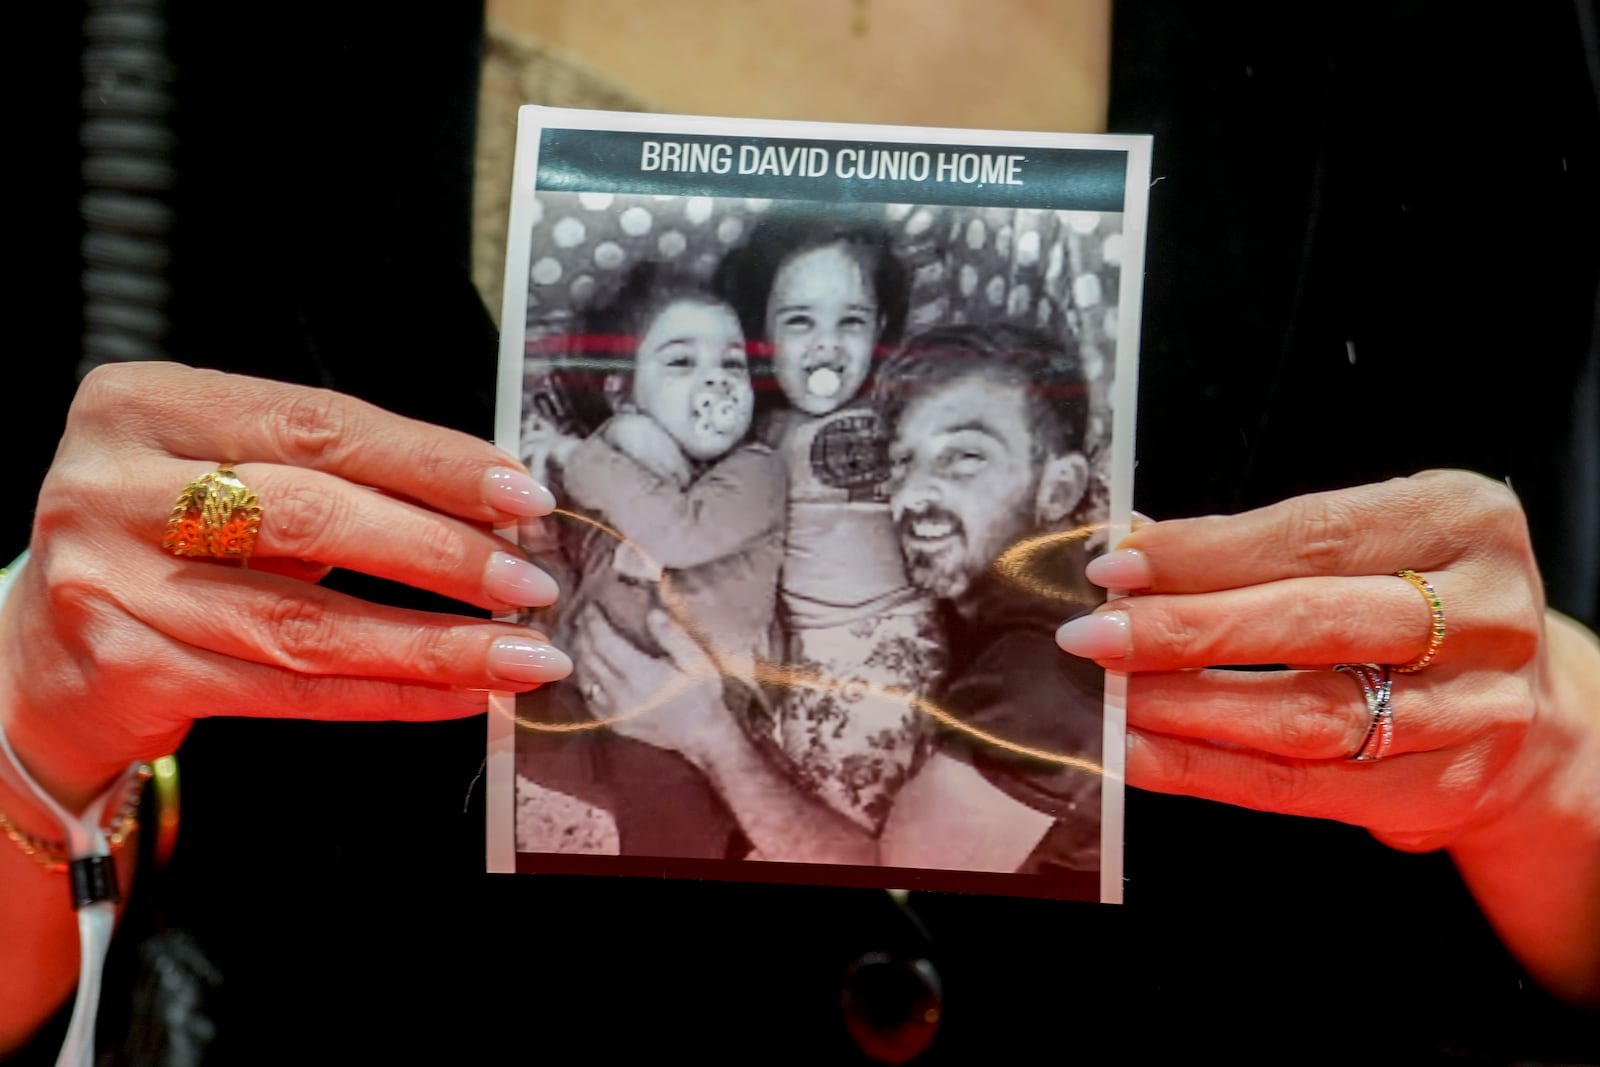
(215, 515)
(1436, 622)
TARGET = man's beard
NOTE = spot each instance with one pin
(941, 569)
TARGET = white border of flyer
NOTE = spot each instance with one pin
(834, 415)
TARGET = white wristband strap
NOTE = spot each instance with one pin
(91, 868)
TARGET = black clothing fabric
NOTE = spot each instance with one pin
(1373, 248)
(1369, 255)
(1008, 679)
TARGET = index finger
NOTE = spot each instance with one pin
(1425, 522)
(231, 418)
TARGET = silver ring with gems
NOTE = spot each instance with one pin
(1377, 686)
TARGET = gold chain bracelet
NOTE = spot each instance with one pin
(53, 855)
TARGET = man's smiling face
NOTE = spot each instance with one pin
(964, 482)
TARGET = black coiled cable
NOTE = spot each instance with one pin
(126, 139)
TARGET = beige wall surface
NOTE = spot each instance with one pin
(1007, 64)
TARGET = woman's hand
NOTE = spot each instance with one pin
(1496, 743)
(110, 646)
(674, 703)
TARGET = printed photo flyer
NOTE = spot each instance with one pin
(835, 416)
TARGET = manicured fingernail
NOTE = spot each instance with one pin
(522, 659)
(513, 580)
(1126, 568)
(1101, 636)
(516, 493)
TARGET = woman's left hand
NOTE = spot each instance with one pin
(1496, 742)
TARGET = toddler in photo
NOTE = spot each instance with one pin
(698, 506)
(672, 507)
(861, 645)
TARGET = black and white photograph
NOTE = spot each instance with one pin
(835, 416)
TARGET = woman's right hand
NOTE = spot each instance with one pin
(110, 646)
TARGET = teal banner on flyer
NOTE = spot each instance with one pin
(610, 161)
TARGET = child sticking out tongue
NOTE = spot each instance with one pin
(860, 645)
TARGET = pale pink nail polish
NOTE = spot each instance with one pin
(516, 493)
(513, 580)
(1102, 636)
(1126, 568)
(522, 659)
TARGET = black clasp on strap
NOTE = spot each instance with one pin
(94, 878)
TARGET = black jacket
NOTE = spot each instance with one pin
(1373, 248)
